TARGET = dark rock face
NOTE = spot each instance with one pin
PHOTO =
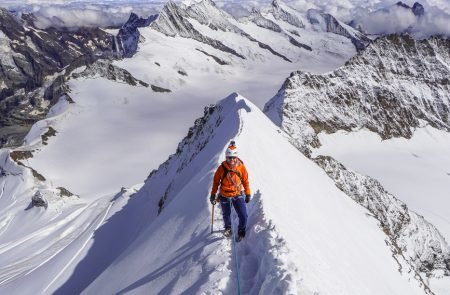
(38, 200)
(388, 88)
(109, 71)
(126, 42)
(28, 57)
(418, 9)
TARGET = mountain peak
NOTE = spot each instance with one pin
(276, 4)
(418, 9)
(401, 4)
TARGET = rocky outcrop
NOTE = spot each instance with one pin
(29, 57)
(126, 42)
(105, 69)
(38, 200)
(417, 8)
(389, 88)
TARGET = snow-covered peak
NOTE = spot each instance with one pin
(283, 12)
(386, 88)
(206, 12)
(326, 22)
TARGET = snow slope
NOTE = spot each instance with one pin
(292, 247)
(417, 171)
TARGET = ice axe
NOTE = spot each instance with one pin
(212, 218)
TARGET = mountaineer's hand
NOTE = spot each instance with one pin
(247, 198)
(213, 200)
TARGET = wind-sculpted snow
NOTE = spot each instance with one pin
(409, 234)
(388, 88)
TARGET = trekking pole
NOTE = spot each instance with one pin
(212, 218)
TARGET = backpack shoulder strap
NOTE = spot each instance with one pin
(225, 172)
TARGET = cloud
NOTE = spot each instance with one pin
(395, 20)
(371, 15)
(384, 17)
(73, 14)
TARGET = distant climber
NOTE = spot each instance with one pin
(232, 177)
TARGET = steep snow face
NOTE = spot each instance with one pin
(410, 235)
(387, 88)
(416, 170)
(301, 227)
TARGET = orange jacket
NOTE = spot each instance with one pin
(231, 185)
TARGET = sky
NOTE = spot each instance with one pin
(368, 14)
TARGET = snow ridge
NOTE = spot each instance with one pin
(177, 192)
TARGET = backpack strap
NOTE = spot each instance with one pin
(225, 172)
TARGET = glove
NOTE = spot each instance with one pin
(212, 199)
(247, 198)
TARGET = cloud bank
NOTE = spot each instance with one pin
(371, 16)
(72, 14)
(384, 16)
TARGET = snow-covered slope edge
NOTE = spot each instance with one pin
(304, 234)
(40, 241)
(409, 234)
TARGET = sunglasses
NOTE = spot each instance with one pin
(231, 158)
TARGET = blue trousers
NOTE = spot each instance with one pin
(239, 206)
